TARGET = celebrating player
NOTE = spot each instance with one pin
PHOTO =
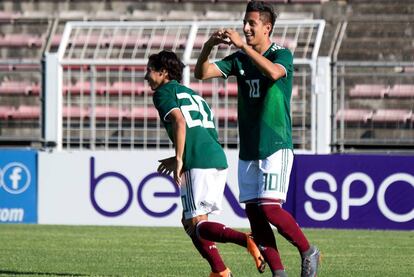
(199, 166)
(264, 72)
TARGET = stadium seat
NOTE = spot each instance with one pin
(402, 91)
(107, 112)
(5, 112)
(26, 112)
(21, 40)
(368, 91)
(84, 87)
(295, 92)
(7, 16)
(392, 115)
(19, 87)
(128, 88)
(75, 112)
(142, 113)
(226, 114)
(229, 89)
(203, 88)
(354, 115)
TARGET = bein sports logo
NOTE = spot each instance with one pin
(15, 178)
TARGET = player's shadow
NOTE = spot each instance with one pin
(14, 273)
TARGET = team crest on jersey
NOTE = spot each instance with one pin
(241, 72)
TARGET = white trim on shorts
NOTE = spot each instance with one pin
(202, 191)
(267, 178)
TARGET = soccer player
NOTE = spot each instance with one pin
(264, 72)
(199, 166)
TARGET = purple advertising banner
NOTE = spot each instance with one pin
(354, 191)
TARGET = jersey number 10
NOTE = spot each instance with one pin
(254, 86)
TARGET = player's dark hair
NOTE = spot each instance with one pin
(167, 60)
(267, 13)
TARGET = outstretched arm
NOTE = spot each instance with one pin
(204, 69)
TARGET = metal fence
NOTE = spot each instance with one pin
(373, 104)
(97, 91)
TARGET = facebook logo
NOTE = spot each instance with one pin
(15, 178)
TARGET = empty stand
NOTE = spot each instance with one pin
(19, 87)
(354, 115)
(6, 112)
(392, 116)
(369, 91)
(402, 91)
(26, 113)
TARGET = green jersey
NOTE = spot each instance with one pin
(202, 149)
(263, 105)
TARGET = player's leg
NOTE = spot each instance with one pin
(248, 173)
(275, 176)
(207, 192)
(264, 237)
(207, 249)
(193, 213)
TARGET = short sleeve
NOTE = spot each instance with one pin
(164, 102)
(226, 65)
(284, 57)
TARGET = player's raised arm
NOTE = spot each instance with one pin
(267, 67)
(204, 69)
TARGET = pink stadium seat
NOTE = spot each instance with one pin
(141, 113)
(369, 91)
(224, 114)
(19, 87)
(128, 88)
(26, 112)
(75, 112)
(295, 92)
(402, 91)
(56, 39)
(25, 40)
(84, 87)
(392, 115)
(19, 67)
(229, 89)
(107, 112)
(354, 115)
(6, 112)
(203, 88)
(409, 69)
(6, 16)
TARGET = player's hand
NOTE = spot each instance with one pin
(178, 171)
(234, 37)
(167, 166)
(217, 38)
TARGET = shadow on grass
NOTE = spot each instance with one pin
(14, 273)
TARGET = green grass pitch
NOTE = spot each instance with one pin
(43, 250)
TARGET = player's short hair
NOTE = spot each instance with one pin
(267, 13)
(167, 60)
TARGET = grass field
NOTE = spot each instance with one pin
(39, 250)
